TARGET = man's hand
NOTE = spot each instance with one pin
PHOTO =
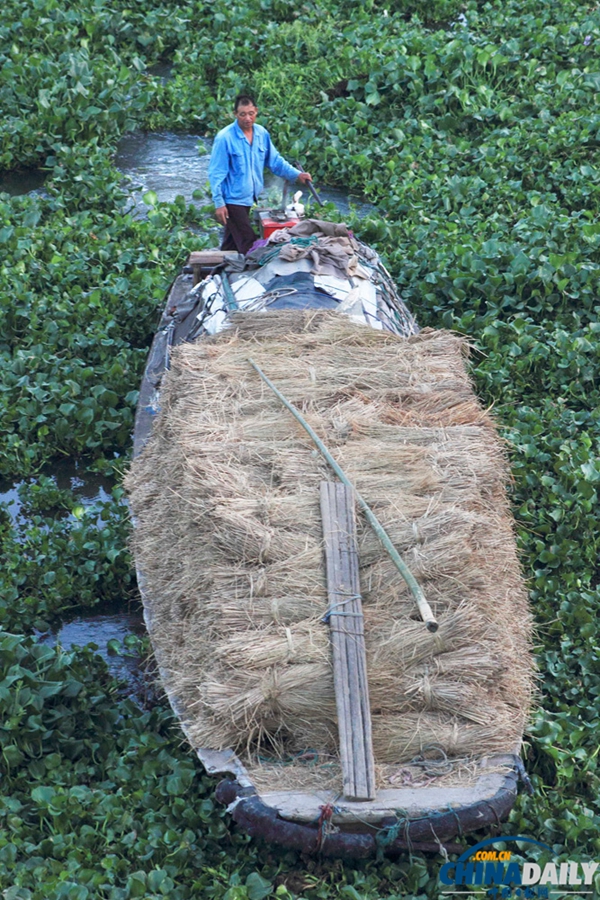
(304, 178)
(221, 215)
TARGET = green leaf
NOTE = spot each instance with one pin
(12, 755)
(17, 893)
(349, 891)
(150, 198)
(258, 887)
(43, 795)
(591, 471)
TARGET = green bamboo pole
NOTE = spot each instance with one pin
(414, 586)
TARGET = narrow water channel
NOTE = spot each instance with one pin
(177, 164)
(171, 165)
(109, 630)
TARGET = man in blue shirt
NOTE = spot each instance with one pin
(239, 155)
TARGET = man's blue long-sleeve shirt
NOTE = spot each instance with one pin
(236, 167)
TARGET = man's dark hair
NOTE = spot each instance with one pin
(243, 100)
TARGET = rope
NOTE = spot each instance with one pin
(458, 822)
(442, 850)
(271, 254)
(325, 826)
(414, 587)
(433, 767)
(332, 611)
(494, 810)
(269, 297)
(276, 247)
(524, 777)
(386, 836)
(304, 241)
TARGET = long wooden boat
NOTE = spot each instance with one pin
(354, 707)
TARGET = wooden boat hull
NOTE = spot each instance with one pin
(424, 817)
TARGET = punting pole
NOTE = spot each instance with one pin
(415, 588)
(311, 187)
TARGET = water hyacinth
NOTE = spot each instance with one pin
(494, 233)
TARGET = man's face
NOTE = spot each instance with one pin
(246, 114)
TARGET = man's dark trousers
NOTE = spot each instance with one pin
(238, 231)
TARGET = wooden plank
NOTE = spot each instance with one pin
(201, 261)
(345, 621)
(339, 648)
(209, 257)
(347, 641)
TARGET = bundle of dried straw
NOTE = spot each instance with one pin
(229, 538)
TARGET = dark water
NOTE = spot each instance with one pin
(26, 181)
(100, 628)
(88, 488)
(109, 633)
(108, 629)
(168, 164)
(171, 164)
(162, 71)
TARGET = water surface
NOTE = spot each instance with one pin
(88, 488)
(22, 181)
(177, 164)
(107, 632)
(168, 164)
